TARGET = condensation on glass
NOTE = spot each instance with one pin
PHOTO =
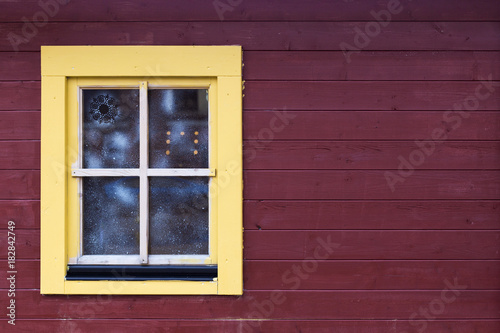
(178, 128)
(178, 215)
(110, 128)
(111, 215)
(178, 136)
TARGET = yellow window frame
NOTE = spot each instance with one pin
(64, 69)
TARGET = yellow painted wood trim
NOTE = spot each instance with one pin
(217, 67)
(230, 186)
(141, 287)
(53, 186)
(144, 61)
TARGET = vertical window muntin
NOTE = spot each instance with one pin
(80, 173)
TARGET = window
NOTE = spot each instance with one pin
(141, 170)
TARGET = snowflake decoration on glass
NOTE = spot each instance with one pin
(103, 109)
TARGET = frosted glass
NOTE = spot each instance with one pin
(110, 215)
(111, 128)
(178, 215)
(178, 128)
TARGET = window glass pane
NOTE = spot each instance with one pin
(178, 216)
(110, 215)
(111, 128)
(178, 128)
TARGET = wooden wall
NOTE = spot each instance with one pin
(316, 173)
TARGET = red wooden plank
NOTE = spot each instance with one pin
(380, 245)
(369, 275)
(19, 184)
(332, 275)
(370, 65)
(27, 244)
(476, 36)
(293, 305)
(379, 185)
(247, 326)
(368, 95)
(256, 10)
(366, 155)
(315, 65)
(19, 155)
(20, 125)
(397, 215)
(27, 276)
(262, 126)
(20, 66)
(25, 213)
(19, 96)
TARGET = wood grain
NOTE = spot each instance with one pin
(20, 125)
(26, 213)
(263, 325)
(20, 155)
(375, 215)
(370, 65)
(328, 36)
(257, 10)
(362, 185)
(372, 245)
(383, 96)
(346, 305)
(262, 126)
(354, 155)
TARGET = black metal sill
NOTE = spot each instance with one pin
(140, 273)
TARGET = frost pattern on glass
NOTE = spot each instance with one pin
(110, 215)
(178, 215)
(111, 128)
(178, 128)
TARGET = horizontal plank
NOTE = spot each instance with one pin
(262, 126)
(19, 184)
(365, 245)
(257, 304)
(25, 213)
(369, 65)
(27, 276)
(19, 155)
(369, 275)
(329, 65)
(27, 243)
(18, 66)
(367, 154)
(332, 275)
(19, 96)
(20, 125)
(475, 36)
(362, 185)
(396, 215)
(369, 95)
(257, 10)
(264, 325)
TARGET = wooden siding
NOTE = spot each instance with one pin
(317, 183)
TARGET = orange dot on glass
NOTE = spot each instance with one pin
(167, 152)
(196, 141)
(168, 132)
(196, 133)
(182, 133)
(195, 152)
(168, 141)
